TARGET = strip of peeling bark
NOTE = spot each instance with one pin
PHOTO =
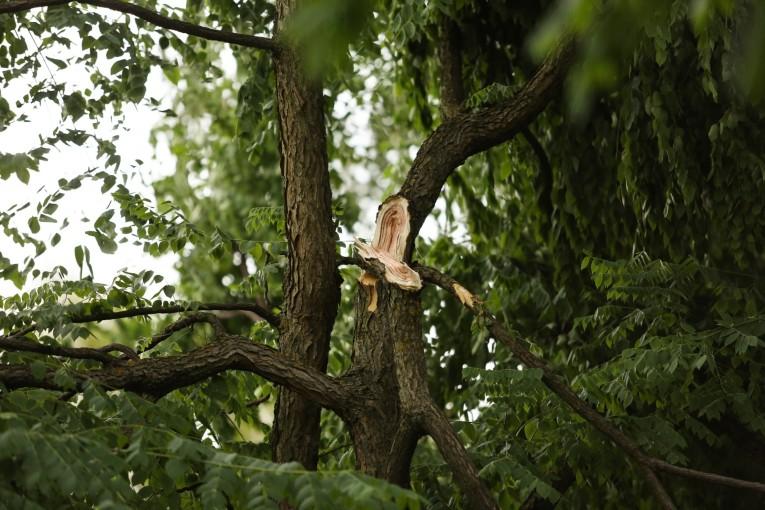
(646, 464)
(471, 132)
(158, 376)
(176, 25)
(312, 282)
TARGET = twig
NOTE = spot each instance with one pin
(98, 354)
(258, 401)
(183, 323)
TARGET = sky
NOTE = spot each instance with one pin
(82, 206)
(87, 201)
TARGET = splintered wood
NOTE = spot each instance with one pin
(387, 248)
(465, 296)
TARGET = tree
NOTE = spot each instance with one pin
(585, 329)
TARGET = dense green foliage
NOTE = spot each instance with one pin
(622, 234)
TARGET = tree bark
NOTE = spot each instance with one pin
(312, 283)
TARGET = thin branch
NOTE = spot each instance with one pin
(333, 450)
(141, 311)
(176, 25)
(465, 473)
(706, 477)
(258, 401)
(647, 464)
(158, 376)
(96, 354)
(183, 323)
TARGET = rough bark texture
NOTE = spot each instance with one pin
(385, 437)
(450, 57)
(312, 283)
(158, 376)
(392, 333)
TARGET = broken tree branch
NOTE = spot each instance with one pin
(155, 18)
(647, 465)
(386, 252)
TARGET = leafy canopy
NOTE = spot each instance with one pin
(622, 234)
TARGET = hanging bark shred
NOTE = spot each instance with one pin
(465, 296)
(387, 248)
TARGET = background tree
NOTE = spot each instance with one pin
(595, 170)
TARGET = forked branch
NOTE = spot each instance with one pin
(176, 25)
(158, 376)
(471, 132)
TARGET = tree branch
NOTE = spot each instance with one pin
(158, 376)
(250, 41)
(312, 283)
(471, 132)
(465, 473)
(96, 354)
(450, 56)
(183, 323)
(648, 465)
(140, 311)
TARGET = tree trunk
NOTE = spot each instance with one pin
(312, 283)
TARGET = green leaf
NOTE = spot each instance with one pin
(34, 224)
(79, 255)
(38, 369)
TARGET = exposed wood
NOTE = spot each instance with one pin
(370, 283)
(389, 245)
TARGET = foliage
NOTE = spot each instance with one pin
(120, 451)
(621, 233)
